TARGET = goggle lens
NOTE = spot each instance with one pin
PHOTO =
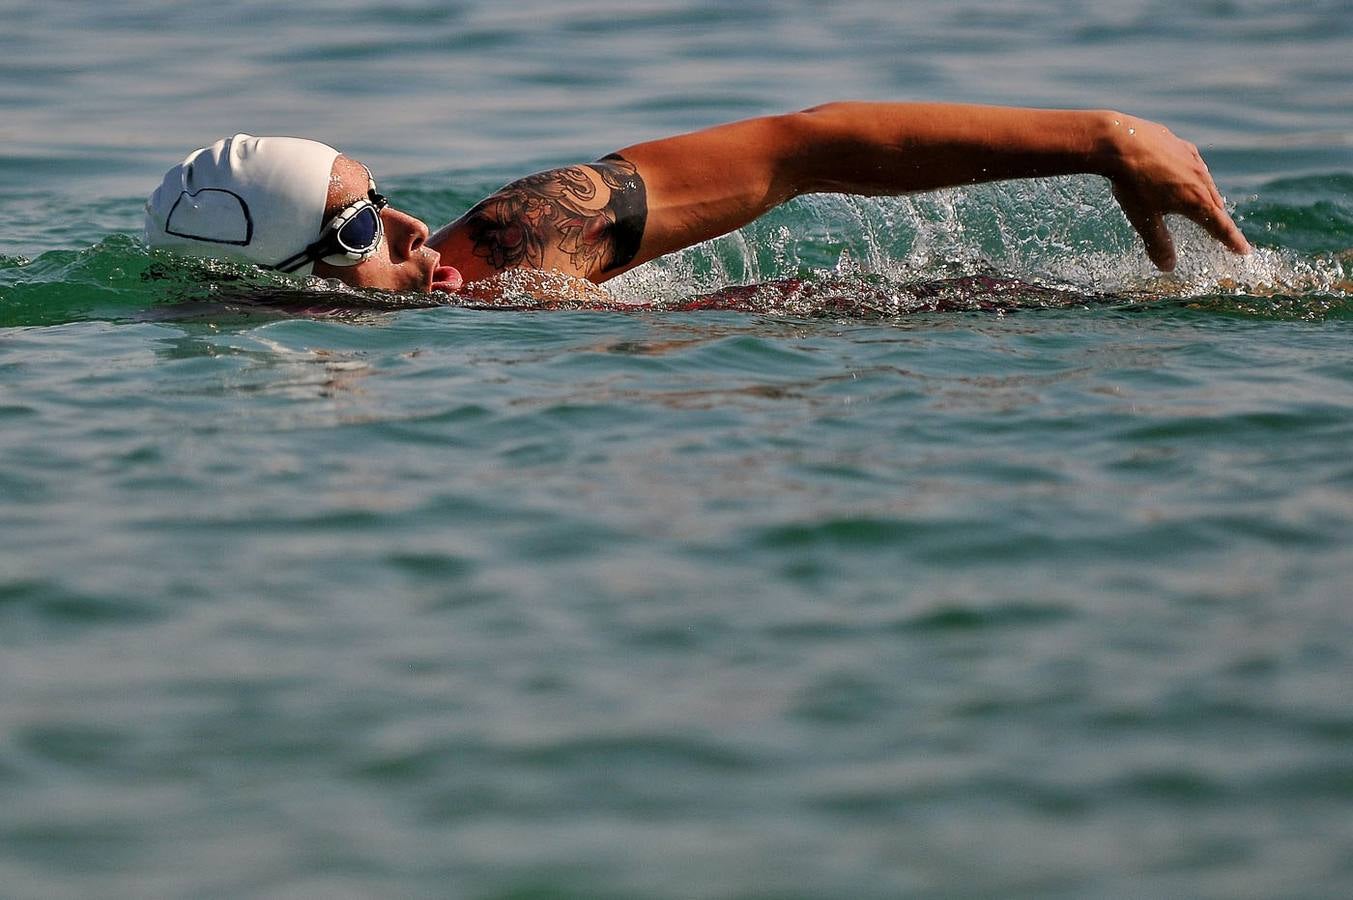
(359, 233)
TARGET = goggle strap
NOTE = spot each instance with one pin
(296, 260)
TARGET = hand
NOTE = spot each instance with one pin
(1157, 173)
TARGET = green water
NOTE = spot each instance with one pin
(953, 552)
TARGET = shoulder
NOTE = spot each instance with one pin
(584, 220)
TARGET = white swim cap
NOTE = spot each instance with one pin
(259, 199)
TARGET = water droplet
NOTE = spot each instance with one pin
(1132, 131)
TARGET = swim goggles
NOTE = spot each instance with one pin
(354, 234)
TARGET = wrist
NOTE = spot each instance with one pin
(1109, 132)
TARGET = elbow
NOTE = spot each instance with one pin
(781, 141)
(810, 140)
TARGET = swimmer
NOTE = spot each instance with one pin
(300, 206)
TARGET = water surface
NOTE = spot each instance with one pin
(965, 556)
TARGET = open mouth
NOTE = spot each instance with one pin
(446, 279)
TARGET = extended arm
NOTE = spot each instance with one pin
(657, 197)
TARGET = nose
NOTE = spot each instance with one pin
(406, 234)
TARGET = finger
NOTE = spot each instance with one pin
(1212, 190)
(1220, 225)
(1149, 223)
(1204, 174)
(1217, 221)
(1159, 242)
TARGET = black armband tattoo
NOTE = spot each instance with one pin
(629, 201)
(562, 210)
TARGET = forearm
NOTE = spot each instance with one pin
(895, 148)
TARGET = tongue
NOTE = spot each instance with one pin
(446, 278)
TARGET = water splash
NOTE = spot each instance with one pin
(1063, 235)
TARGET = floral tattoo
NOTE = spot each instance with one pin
(594, 215)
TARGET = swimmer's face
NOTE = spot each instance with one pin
(403, 262)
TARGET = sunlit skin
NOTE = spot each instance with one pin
(404, 262)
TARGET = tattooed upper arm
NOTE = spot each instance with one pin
(587, 220)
